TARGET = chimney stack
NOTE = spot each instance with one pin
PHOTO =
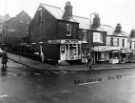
(118, 28)
(96, 21)
(67, 10)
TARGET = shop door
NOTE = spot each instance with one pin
(74, 52)
(63, 52)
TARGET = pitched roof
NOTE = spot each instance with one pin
(84, 23)
(106, 28)
(4, 18)
(18, 26)
(55, 11)
(110, 30)
(58, 14)
(121, 34)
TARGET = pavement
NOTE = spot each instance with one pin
(43, 66)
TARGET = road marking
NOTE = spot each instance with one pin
(89, 83)
(3, 95)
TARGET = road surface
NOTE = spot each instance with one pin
(21, 85)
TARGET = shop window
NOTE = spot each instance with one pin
(69, 29)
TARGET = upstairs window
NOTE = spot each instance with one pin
(69, 29)
(117, 41)
(111, 41)
(97, 37)
(123, 42)
(130, 45)
(134, 45)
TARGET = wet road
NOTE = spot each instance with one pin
(19, 85)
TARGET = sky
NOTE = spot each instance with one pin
(111, 12)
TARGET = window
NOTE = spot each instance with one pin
(69, 29)
(117, 41)
(111, 41)
(97, 37)
(123, 42)
(130, 45)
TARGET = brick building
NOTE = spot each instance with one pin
(60, 29)
(16, 28)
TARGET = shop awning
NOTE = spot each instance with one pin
(106, 48)
(126, 50)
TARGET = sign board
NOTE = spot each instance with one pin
(106, 48)
(66, 41)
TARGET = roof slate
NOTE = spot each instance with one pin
(84, 23)
(55, 11)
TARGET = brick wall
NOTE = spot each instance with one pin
(42, 31)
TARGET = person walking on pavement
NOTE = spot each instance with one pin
(89, 61)
(4, 61)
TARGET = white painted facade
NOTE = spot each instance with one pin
(117, 41)
(132, 43)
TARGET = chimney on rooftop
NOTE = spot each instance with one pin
(96, 21)
(67, 10)
(118, 28)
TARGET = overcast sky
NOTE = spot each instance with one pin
(110, 11)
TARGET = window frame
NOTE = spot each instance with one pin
(68, 29)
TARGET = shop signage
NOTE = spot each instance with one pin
(106, 48)
(69, 41)
(65, 41)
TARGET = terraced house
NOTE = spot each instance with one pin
(73, 37)
(108, 43)
(120, 40)
(61, 30)
(132, 44)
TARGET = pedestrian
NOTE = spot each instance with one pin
(89, 62)
(4, 61)
(42, 54)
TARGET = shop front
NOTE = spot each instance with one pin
(69, 50)
(125, 55)
(103, 54)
